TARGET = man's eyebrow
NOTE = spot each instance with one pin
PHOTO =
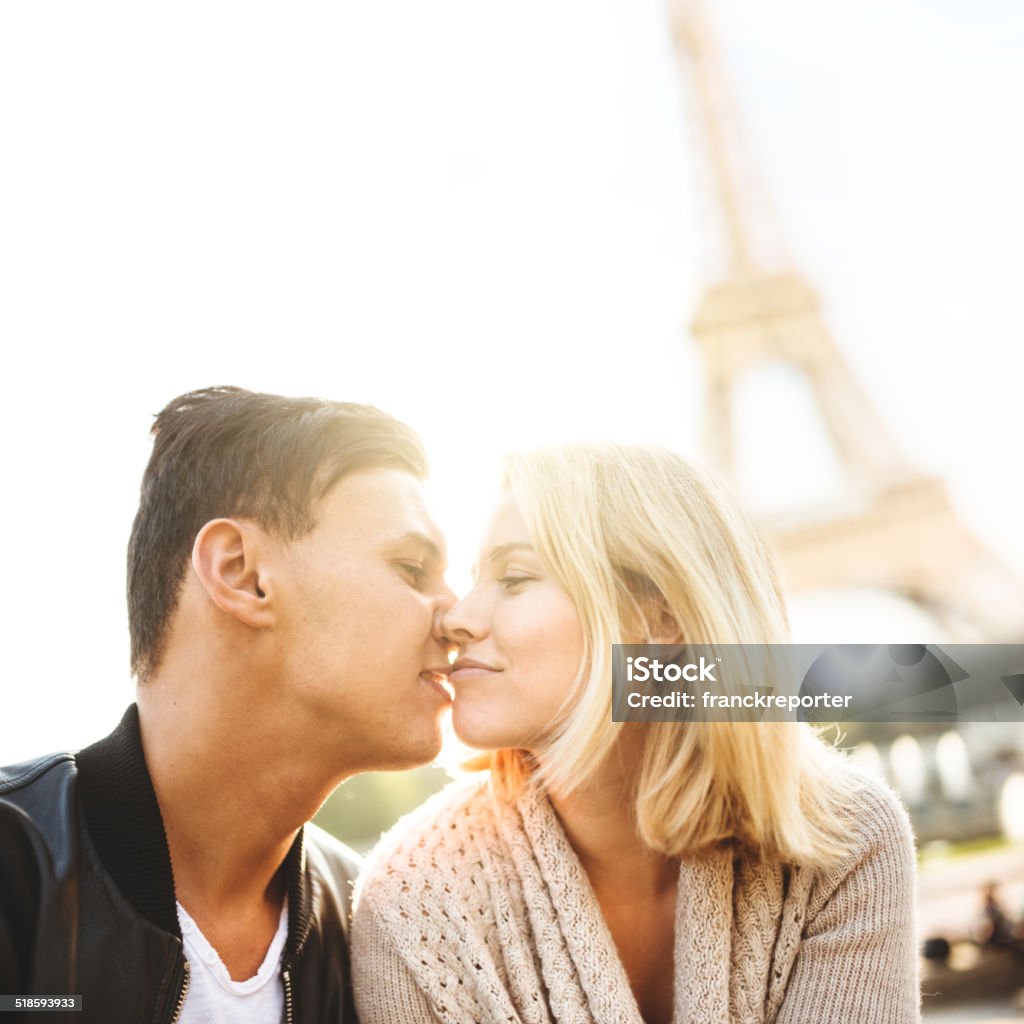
(424, 540)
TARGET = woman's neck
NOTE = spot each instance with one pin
(601, 827)
(635, 886)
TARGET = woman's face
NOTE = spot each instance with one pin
(519, 640)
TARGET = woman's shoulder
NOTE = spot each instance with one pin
(441, 836)
(875, 814)
(879, 840)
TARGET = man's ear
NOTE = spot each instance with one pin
(226, 559)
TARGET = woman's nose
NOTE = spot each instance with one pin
(462, 622)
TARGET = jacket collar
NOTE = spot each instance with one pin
(123, 818)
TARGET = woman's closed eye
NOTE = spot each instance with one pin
(512, 581)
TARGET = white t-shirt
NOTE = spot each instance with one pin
(213, 998)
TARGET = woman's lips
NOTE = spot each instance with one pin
(466, 668)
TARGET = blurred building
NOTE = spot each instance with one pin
(891, 527)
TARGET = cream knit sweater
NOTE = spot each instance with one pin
(474, 909)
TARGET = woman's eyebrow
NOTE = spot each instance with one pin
(504, 549)
(497, 552)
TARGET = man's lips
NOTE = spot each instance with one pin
(468, 668)
(437, 670)
(437, 678)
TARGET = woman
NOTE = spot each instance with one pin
(697, 872)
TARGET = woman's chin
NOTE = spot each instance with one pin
(482, 730)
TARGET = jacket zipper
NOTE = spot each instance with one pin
(184, 992)
(289, 1006)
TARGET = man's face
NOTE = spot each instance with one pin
(358, 604)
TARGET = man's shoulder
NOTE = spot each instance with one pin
(41, 793)
(14, 777)
(37, 838)
(331, 870)
(330, 856)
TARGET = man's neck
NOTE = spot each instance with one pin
(233, 793)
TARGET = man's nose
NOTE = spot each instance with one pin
(444, 603)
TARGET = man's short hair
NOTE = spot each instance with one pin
(226, 452)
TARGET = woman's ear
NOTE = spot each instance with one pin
(660, 625)
(663, 626)
(649, 621)
(226, 559)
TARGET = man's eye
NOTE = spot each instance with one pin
(415, 572)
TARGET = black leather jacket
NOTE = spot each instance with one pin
(87, 898)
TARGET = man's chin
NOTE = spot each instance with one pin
(414, 755)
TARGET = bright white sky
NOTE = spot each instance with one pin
(480, 217)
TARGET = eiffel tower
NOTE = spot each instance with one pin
(896, 529)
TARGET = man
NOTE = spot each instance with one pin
(285, 591)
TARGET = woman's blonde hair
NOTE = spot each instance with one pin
(637, 537)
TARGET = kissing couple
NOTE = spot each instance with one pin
(291, 627)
